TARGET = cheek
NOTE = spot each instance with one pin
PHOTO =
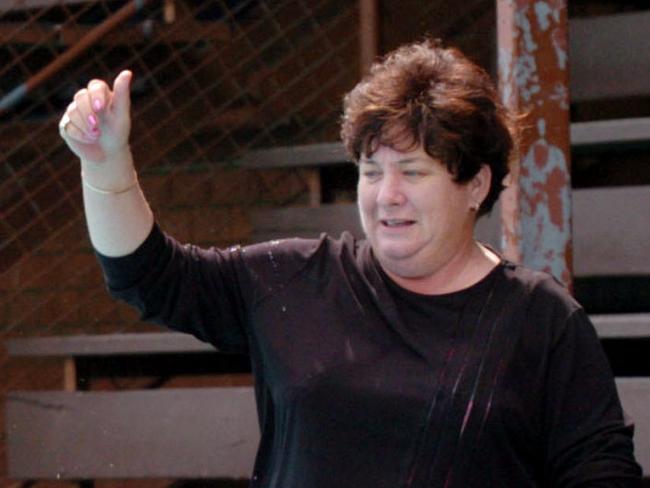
(365, 198)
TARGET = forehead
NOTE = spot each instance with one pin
(388, 154)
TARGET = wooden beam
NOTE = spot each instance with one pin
(622, 325)
(20, 5)
(606, 132)
(69, 34)
(69, 374)
(368, 34)
(11, 99)
(314, 185)
(107, 345)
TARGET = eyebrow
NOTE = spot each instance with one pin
(401, 161)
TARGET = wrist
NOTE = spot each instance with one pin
(112, 175)
(112, 190)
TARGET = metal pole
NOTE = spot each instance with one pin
(60, 62)
(533, 79)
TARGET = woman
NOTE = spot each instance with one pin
(418, 357)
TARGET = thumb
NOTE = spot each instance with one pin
(122, 93)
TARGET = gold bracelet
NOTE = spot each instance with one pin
(109, 192)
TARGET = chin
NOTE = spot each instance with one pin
(396, 250)
(401, 269)
(399, 261)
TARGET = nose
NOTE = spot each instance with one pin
(390, 191)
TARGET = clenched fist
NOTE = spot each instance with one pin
(97, 123)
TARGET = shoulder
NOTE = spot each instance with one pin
(546, 305)
(284, 260)
(540, 288)
(298, 251)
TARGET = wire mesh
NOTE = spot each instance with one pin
(209, 84)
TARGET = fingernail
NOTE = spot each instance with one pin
(97, 104)
(93, 120)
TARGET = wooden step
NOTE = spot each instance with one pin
(583, 134)
(167, 433)
(290, 156)
(608, 326)
(173, 433)
(107, 345)
(608, 56)
(611, 228)
(635, 398)
(622, 326)
(607, 132)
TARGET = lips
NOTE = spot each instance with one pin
(396, 223)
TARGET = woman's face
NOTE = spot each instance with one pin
(415, 216)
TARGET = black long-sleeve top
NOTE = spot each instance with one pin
(363, 384)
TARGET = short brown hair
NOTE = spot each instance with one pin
(424, 94)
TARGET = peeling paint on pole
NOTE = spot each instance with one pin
(533, 79)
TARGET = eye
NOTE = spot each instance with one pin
(371, 174)
(413, 173)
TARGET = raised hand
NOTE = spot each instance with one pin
(96, 125)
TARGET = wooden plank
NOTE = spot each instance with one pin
(156, 433)
(594, 133)
(609, 56)
(169, 433)
(622, 326)
(635, 397)
(67, 35)
(611, 231)
(308, 222)
(606, 132)
(291, 156)
(69, 374)
(609, 326)
(107, 344)
(600, 132)
(368, 34)
(20, 5)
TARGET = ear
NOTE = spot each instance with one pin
(479, 186)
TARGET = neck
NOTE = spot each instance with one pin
(466, 267)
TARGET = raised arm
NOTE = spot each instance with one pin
(96, 127)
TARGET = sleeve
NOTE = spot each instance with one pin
(588, 443)
(183, 287)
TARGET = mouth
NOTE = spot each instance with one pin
(396, 223)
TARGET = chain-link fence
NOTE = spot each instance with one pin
(212, 79)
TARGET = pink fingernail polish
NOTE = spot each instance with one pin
(97, 104)
(93, 120)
